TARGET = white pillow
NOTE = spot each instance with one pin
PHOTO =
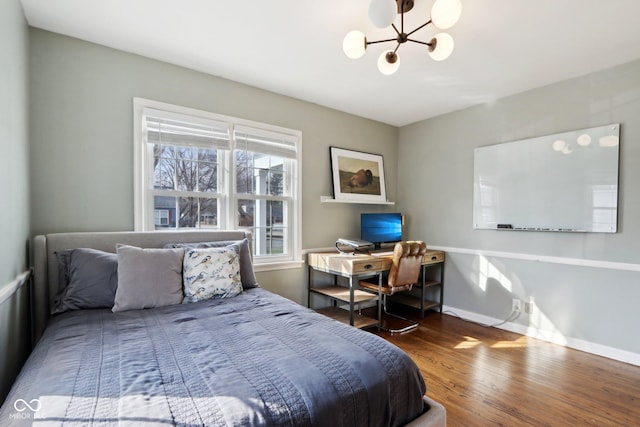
(211, 273)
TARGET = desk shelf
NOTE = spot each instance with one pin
(341, 293)
(414, 302)
(428, 283)
(337, 313)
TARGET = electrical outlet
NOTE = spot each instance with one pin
(528, 307)
(516, 304)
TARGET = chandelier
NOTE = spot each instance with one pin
(444, 15)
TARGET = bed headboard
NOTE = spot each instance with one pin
(45, 264)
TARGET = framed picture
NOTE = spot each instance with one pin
(357, 176)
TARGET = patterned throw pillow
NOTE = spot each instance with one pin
(247, 275)
(211, 273)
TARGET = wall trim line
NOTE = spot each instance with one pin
(12, 287)
(581, 262)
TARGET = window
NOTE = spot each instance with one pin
(162, 217)
(195, 169)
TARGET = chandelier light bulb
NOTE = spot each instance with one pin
(354, 44)
(383, 12)
(387, 68)
(443, 47)
(446, 13)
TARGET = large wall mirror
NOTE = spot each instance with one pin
(562, 182)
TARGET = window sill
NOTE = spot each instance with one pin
(272, 266)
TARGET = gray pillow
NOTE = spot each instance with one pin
(148, 278)
(247, 275)
(88, 277)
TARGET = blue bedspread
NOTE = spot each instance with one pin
(256, 359)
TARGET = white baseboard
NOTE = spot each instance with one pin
(548, 336)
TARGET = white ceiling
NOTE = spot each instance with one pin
(294, 47)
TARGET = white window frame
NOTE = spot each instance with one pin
(143, 180)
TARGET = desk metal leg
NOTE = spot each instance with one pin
(309, 287)
(422, 291)
(380, 301)
(441, 286)
(351, 292)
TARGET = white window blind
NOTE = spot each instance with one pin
(165, 127)
(258, 140)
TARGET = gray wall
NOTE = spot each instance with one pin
(14, 190)
(587, 306)
(82, 153)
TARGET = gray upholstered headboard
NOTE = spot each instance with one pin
(45, 264)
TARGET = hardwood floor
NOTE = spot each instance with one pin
(490, 377)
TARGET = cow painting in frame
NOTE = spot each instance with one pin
(357, 176)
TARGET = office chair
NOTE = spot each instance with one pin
(404, 273)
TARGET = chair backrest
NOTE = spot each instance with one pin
(407, 259)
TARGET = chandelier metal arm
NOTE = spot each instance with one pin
(420, 27)
(382, 41)
(419, 41)
(402, 37)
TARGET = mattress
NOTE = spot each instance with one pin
(255, 359)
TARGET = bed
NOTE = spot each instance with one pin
(254, 358)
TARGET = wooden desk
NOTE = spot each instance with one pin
(356, 266)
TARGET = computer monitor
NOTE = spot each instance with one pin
(379, 228)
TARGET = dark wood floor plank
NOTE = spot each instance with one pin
(490, 377)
